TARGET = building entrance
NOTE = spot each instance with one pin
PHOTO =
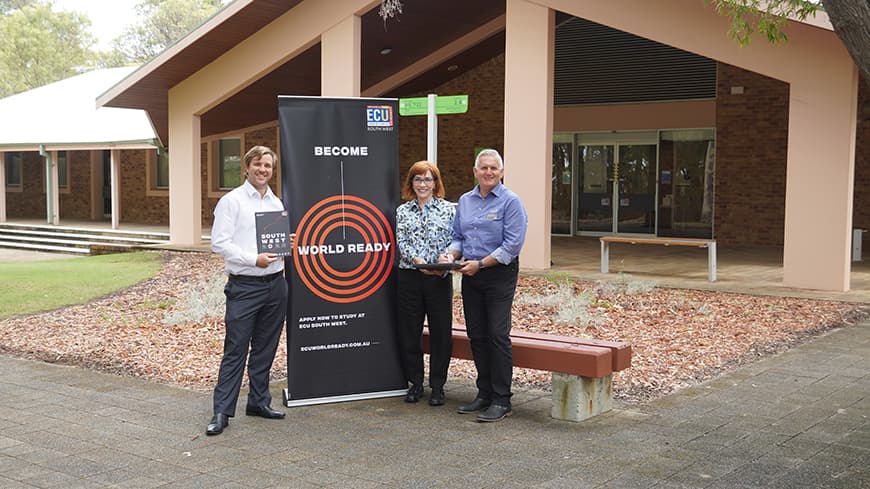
(651, 183)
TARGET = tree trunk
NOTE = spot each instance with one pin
(851, 21)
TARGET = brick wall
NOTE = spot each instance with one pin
(136, 205)
(861, 203)
(751, 142)
(459, 134)
(30, 202)
(76, 204)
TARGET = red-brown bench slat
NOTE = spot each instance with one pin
(542, 354)
(621, 352)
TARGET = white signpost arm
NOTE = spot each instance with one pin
(432, 132)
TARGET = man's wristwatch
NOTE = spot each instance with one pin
(480, 264)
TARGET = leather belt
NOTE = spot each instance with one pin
(256, 278)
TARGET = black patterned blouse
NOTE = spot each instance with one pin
(423, 232)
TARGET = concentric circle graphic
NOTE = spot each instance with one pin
(344, 249)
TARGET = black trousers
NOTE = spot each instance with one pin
(254, 320)
(429, 296)
(487, 298)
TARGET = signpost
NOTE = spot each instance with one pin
(453, 104)
(432, 106)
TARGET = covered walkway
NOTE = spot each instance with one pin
(741, 269)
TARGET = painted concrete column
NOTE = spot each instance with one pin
(340, 59)
(2, 186)
(528, 121)
(55, 189)
(185, 175)
(820, 180)
(51, 188)
(115, 185)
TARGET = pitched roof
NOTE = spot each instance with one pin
(64, 115)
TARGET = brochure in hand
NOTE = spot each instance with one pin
(440, 266)
(273, 233)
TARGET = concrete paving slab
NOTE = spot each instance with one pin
(790, 420)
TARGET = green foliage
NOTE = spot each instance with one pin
(29, 287)
(766, 17)
(41, 46)
(559, 277)
(161, 24)
(7, 6)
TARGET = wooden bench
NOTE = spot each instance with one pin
(581, 368)
(710, 244)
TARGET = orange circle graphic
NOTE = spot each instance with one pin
(319, 257)
(318, 231)
(315, 271)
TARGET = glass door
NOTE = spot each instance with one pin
(616, 182)
(687, 165)
(634, 182)
(595, 211)
(636, 192)
(563, 159)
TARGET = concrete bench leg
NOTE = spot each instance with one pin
(577, 398)
(605, 256)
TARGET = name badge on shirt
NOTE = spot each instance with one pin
(492, 216)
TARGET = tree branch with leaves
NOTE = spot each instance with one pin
(850, 19)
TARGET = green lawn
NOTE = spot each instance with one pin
(44, 285)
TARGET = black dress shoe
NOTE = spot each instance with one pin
(217, 424)
(495, 412)
(474, 406)
(414, 393)
(437, 397)
(264, 412)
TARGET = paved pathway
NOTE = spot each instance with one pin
(12, 256)
(797, 420)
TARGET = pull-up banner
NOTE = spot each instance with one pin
(339, 163)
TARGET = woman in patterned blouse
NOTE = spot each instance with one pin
(423, 230)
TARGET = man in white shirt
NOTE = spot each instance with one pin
(256, 293)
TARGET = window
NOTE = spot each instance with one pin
(62, 172)
(162, 173)
(686, 189)
(13, 169)
(157, 172)
(229, 153)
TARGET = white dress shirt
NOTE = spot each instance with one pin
(234, 233)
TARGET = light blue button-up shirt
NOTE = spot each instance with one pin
(494, 225)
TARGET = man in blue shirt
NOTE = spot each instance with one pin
(488, 231)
